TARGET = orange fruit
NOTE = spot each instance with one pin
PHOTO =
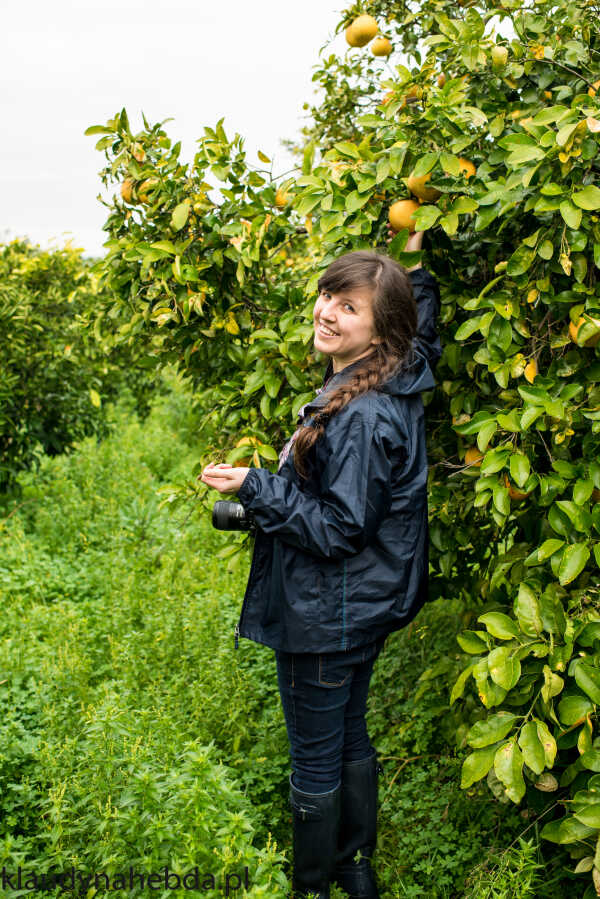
(127, 190)
(592, 91)
(350, 36)
(148, 185)
(574, 330)
(466, 167)
(401, 214)
(531, 371)
(138, 152)
(473, 457)
(362, 30)
(441, 79)
(281, 198)
(513, 492)
(381, 46)
(417, 186)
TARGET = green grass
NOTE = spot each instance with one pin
(131, 731)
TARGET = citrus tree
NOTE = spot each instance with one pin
(55, 373)
(478, 123)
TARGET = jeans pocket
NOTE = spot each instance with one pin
(333, 672)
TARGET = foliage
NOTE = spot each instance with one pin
(509, 140)
(124, 699)
(55, 374)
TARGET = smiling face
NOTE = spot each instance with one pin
(349, 315)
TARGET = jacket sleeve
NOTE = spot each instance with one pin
(427, 297)
(355, 491)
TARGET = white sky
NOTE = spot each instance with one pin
(68, 64)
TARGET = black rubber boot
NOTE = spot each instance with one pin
(315, 822)
(358, 829)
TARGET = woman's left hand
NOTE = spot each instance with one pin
(223, 477)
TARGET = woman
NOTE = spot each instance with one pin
(341, 550)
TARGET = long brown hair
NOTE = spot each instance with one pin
(394, 320)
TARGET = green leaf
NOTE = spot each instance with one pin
(501, 499)
(180, 215)
(520, 261)
(450, 164)
(476, 765)
(504, 668)
(165, 245)
(570, 214)
(548, 742)
(459, 686)
(426, 216)
(553, 684)
(527, 610)
(469, 327)
(355, 201)
(268, 452)
(508, 765)
(588, 198)
(524, 154)
(591, 760)
(573, 562)
(347, 149)
(490, 730)
(531, 747)
(520, 468)
(565, 133)
(499, 625)
(472, 642)
(543, 552)
(587, 678)
(574, 708)
(425, 164)
(589, 813)
(567, 830)
(494, 460)
(582, 490)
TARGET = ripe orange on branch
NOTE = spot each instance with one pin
(401, 215)
(148, 185)
(361, 31)
(466, 167)
(513, 492)
(574, 331)
(381, 46)
(473, 457)
(592, 91)
(418, 187)
(127, 190)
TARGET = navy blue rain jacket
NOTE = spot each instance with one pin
(341, 558)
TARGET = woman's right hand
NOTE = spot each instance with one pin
(413, 244)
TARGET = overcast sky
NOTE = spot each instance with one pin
(68, 64)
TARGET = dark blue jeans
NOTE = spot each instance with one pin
(324, 699)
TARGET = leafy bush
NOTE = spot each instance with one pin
(55, 371)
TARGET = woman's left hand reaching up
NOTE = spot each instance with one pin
(223, 477)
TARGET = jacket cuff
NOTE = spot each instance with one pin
(247, 491)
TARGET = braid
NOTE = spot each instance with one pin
(376, 369)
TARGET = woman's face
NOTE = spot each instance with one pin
(349, 314)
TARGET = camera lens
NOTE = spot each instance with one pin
(229, 516)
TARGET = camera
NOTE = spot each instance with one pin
(229, 516)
